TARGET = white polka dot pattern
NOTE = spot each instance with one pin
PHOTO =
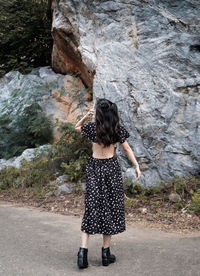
(89, 130)
(104, 194)
(104, 197)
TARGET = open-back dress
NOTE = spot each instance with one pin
(104, 194)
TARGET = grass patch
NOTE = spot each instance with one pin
(68, 155)
(158, 196)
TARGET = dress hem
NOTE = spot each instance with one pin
(98, 232)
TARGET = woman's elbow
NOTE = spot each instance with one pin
(126, 146)
(77, 128)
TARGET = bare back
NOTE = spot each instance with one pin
(100, 152)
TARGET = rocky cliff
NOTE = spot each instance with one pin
(28, 102)
(145, 56)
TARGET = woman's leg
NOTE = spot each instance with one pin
(84, 239)
(106, 240)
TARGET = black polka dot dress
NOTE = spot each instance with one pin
(104, 194)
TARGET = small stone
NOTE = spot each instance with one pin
(64, 189)
(142, 210)
(62, 179)
(49, 194)
(83, 185)
(174, 197)
(184, 211)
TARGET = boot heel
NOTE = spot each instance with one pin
(107, 258)
(105, 262)
(82, 261)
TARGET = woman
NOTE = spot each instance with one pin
(104, 196)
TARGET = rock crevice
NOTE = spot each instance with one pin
(65, 54)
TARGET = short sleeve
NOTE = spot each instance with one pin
(124, 134)
(87, 130)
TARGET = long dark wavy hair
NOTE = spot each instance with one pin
(107, 122)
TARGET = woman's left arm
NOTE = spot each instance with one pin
(82, 120)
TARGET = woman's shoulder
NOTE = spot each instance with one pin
(124, 134)
(88, 125)
(92, 125)
(88, 130)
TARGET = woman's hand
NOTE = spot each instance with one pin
(80, 123)
(138, 172)
(90, 113)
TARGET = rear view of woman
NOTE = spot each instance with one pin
(104, 196)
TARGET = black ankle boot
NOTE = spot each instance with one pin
(82, 261)
(107, 258)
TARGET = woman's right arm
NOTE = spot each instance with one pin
(80, 123)
(127, 149)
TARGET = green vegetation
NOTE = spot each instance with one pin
(129, 203)
(142, 132)
(29, 129)
(36, 173)
(74, 151)
(195, 204)
(138, 191)
(9, 177)
(187, 188)
(68, 155)
(25, 35)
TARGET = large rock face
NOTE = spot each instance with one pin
(146, 57)
(65, 54)
(62, 98)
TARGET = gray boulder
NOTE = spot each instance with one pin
(28, 155)
(60, 180)
(20, 95)
(174, 197)
(146, 58)
(64, 189)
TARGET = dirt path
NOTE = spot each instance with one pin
(35, 242)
